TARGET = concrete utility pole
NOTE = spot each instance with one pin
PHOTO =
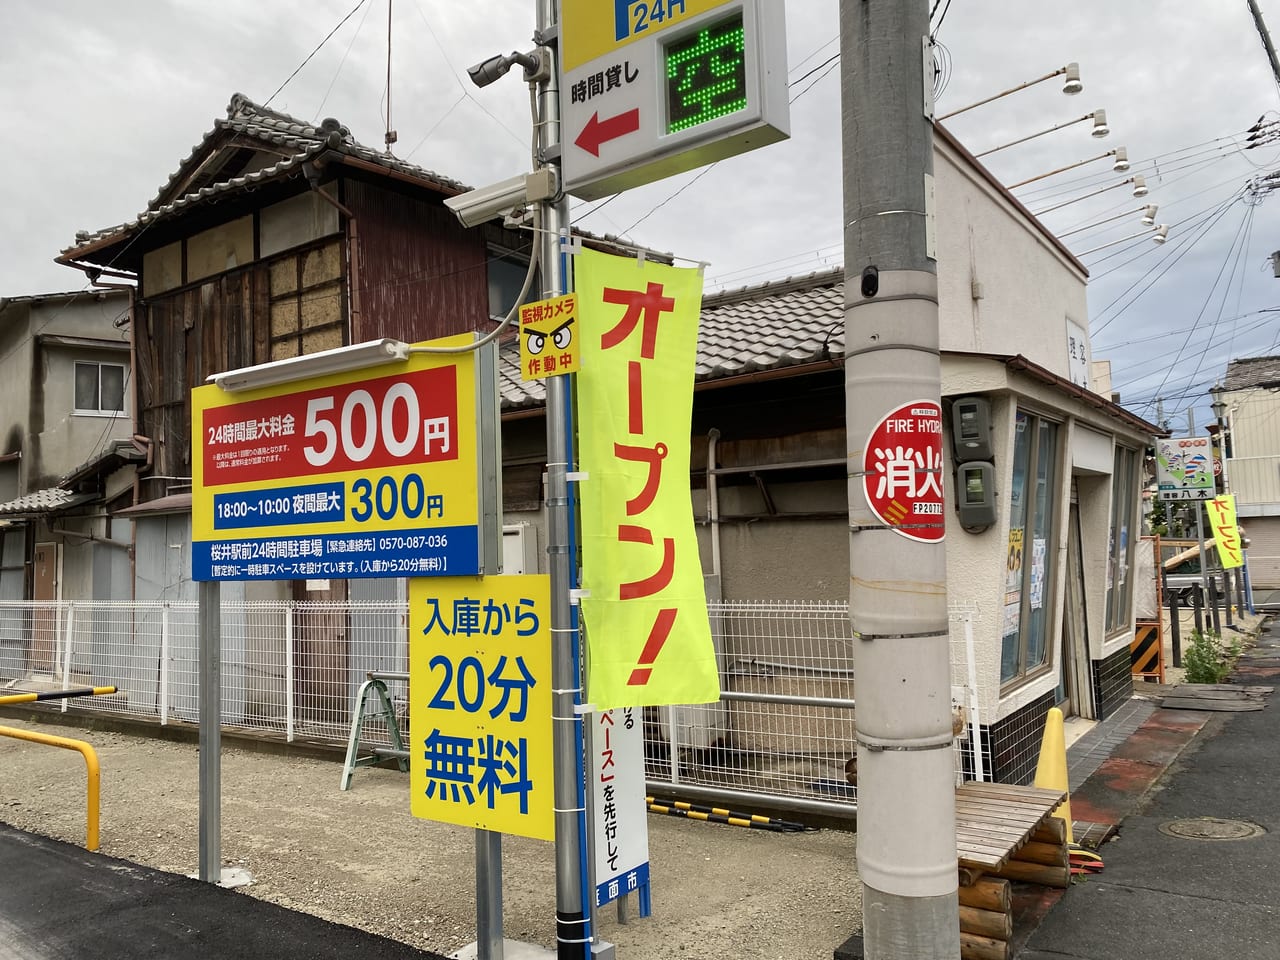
(1266, 38)
(898, 587)
(571, 914)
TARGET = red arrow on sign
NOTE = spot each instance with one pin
(599, 131)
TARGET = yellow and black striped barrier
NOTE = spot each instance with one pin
(693, 811)
(1146, 652)
(56, 695)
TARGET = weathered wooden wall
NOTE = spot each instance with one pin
(420, 274)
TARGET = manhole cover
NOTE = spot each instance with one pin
(1211, 828)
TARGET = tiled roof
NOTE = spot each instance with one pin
(44, 502)
(780, 324)
(1253, 372)
(276, 131)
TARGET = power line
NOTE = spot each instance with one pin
(315, 51)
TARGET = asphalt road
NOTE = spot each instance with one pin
(1164, 896)
(58, 902)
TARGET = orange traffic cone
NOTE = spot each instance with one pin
(1051, 770)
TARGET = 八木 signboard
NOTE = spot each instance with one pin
(1184, 469)
(651, 88)
(902, 471)
(370, 473)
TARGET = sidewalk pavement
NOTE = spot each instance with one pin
(1165, 894)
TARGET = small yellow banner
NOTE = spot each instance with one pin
(549, 340)
(648, 637)
(1222, 517)
(480, 703)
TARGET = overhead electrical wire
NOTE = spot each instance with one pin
(1183, 243)
(1238, 249)
(315, 51)
(1208, 299)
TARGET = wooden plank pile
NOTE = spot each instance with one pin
(1217, 697)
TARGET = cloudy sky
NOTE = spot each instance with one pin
(101, 101)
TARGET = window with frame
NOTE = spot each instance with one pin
(1124, 493)
(1030, 571)
(99, 387)
(506, 272)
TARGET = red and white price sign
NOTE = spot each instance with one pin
(902, 471)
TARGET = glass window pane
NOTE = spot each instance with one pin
(1127, 478)
(86, 386)
(506, 277)
(112, 387)
(1040, 554)
(1009, 649)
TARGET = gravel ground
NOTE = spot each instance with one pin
(359, 858)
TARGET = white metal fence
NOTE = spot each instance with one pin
(783, 728)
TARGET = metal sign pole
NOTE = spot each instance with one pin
(572, 926)
(489, 945)
(1204, 556)
(210, 642)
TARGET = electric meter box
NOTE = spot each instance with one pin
(971, 429)
(976, 494)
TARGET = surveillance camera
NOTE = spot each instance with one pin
(870, 282)
(537, 66)
(488, 203)
(484, 73)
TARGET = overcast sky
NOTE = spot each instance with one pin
(102, 101)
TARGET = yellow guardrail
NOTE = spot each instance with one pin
(91, 769)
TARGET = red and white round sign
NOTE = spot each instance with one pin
(902, 471)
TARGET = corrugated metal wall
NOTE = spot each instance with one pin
(420, 274)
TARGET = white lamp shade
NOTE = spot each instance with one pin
(1122, 160)
(1149, 214)
(1100, 128)
(1162, 233)
(1140, 186)
(1072, 85)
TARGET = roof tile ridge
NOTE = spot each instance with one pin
(771, 288)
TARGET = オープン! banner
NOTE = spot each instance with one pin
(648, 637)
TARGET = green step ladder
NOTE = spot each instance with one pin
(375, 686)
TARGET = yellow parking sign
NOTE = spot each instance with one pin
(480, 703)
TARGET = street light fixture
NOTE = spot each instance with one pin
(1139, 190)
(1100, 129)
(1159, 235)
(1148, 219)
(1219, 408)
(1120, 165)
(1071, 86)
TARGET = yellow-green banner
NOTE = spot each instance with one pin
(1222, 517)
(648, 637)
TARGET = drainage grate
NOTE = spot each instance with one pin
(1211, 828)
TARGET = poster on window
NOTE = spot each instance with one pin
(1013, 565)
(1037, 573)
(1012, 618)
